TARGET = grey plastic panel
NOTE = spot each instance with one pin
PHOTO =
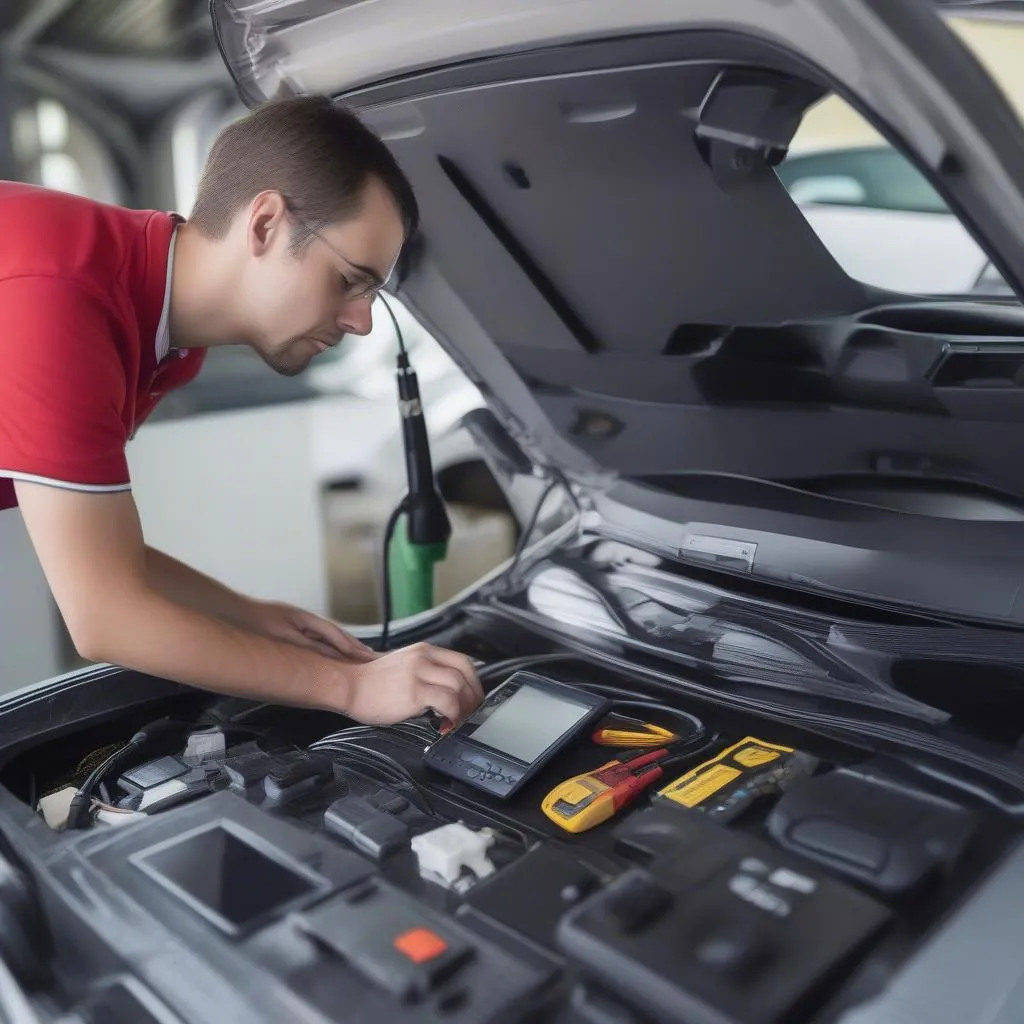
(622, 214)
(969, 569)
(971, 971)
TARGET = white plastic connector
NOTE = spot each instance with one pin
(157, 793)
(206, 745)
(56, 807)
(118, 819)
(444, 852)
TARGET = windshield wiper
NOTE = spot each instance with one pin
(873, 658)
(720, 635)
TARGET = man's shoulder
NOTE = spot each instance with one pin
(23, 203)
(58, 234)
(19, 197)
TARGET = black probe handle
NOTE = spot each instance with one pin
(418, 466)
(427, 519)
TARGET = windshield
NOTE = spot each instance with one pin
(878, 215)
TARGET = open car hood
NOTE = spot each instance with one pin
(608, 253)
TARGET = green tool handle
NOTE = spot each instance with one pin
(411, 572)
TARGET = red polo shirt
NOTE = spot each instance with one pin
(83, 293)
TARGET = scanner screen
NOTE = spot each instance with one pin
(527, 723)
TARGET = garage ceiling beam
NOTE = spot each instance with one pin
(142, 87)
(40, 16)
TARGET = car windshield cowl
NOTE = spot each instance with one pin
(749, 635)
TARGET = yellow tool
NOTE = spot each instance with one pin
(586, 800)
(619, 731)
(703, 782)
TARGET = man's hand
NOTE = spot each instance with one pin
(410, 681)
(304, 629)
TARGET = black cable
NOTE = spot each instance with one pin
(371, 759)
(696, 724)
(679, 753)
(344, 754)
(81, 802)
(394, 320)
(510, 665)
(403, 506)
(532, 524)
(408, 732)
(524, 537)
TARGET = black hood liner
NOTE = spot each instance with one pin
(600, 180)
(638, 296)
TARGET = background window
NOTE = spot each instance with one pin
(877, 178)
(54, 148)
(834, 189)
(879, 216)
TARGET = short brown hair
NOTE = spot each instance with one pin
(316, 153)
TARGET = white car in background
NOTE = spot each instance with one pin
(884, 222)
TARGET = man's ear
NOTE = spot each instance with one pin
(267, 218)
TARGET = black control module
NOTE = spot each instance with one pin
(874, 829)
(720, 927)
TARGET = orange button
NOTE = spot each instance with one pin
(420, 945)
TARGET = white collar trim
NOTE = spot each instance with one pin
(163, 329)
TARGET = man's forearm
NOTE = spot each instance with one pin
(186, 586)
(161, 637)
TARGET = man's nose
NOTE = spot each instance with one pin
(356, 317)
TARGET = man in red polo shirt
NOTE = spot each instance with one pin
(299, 219)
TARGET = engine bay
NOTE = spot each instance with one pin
(656, 859)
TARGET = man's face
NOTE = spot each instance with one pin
(301, 303)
